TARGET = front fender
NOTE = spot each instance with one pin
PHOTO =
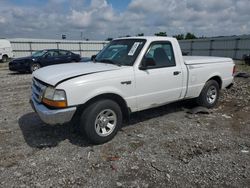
(80, 90)
(101, 91)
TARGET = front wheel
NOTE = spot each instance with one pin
(34, 67)
(101, 120)
(209, 94)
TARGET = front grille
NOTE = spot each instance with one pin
(38, 89)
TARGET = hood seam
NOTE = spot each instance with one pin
(72, 77)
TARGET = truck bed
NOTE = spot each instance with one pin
(191, 60)
(201, 68)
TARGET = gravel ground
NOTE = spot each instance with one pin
(160, 147)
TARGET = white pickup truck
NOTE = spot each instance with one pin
(128, 75)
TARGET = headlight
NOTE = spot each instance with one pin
(59, 95)
(49, 93)
(55, 98)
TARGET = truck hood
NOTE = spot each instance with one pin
(21, 59)
(54, 74)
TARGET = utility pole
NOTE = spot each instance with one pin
(81, 35)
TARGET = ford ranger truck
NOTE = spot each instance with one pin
(128, 75)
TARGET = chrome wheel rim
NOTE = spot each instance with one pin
(211, 94)
(105, 122)
(35, 67)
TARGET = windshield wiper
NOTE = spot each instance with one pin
(109, 61)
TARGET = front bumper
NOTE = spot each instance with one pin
(55, 116)
(18, 67)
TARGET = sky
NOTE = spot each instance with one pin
(102, 19)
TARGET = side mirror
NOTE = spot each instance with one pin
(93, 57)
(147, 62)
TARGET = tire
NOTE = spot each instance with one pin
(95, 124)
(34, 67)
(4, 58)
(209, 95)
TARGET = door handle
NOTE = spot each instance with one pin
(126, 82)
(176, 73)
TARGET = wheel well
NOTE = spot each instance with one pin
(5, 55)
(218, 80)
(117, 98)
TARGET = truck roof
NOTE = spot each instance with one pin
(157, 38)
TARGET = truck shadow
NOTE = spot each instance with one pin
(160, 111)
(39, 135)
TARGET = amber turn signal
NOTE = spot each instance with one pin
(57, 104)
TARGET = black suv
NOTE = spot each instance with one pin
(43, 58)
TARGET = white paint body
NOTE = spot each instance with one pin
(5, 49)
(148, 88)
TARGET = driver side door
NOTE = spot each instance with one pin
(160, 83)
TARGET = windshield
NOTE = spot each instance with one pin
(39, 53)
(121, 52)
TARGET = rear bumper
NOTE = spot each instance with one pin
(55, 116)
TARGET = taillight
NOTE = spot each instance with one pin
(234, 70)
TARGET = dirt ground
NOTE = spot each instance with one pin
(162, 147)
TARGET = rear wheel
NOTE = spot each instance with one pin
(4, 58)
(101, 120)
(34, 67)
(209, 94)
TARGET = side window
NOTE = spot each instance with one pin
(64, 53)
(49, 54)
(162, 54)
(52, 53)
(55, 53)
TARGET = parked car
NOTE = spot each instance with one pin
(5, 50)
(146, 72)
(43, 58)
